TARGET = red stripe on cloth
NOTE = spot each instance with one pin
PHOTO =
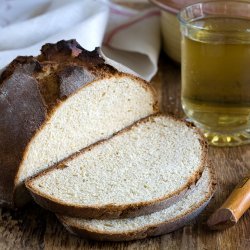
(121, 12)
(128, 24)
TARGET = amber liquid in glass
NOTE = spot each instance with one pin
(216, 74)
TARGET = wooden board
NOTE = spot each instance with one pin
(35, 228)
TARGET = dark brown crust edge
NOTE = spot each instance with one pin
(117, 211)
(147, 231)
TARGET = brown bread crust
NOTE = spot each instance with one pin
(18, 122)
(31, 89)
(115, 211)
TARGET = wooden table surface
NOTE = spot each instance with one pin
(35, 228)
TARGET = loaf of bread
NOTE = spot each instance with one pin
(158, 223)
(140, 170)
(55, 104)
(88, 143)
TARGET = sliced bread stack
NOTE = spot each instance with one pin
(90, 146)
(139, 170)
(143, 181)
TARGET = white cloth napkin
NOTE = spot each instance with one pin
(127, 37)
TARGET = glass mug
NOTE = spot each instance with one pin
(216, 70)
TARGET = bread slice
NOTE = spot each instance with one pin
(158, 223)
(140, 170)
(58, 103)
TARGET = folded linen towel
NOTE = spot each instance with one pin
(128, 38)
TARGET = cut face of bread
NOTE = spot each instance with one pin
(93, 113)
(162, 222)
(139, 170)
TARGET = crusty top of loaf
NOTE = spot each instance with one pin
(30, 88)
(58, 69)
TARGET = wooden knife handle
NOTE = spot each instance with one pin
(233, 208)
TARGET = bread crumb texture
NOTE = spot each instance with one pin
(151, 160)
(200, 194)
(94, 113)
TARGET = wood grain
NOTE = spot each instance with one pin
(35, 228)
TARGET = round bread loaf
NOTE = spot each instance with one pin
(55, 104)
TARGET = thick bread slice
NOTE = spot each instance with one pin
(58, 103)
(140, 170)
(158, 223)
